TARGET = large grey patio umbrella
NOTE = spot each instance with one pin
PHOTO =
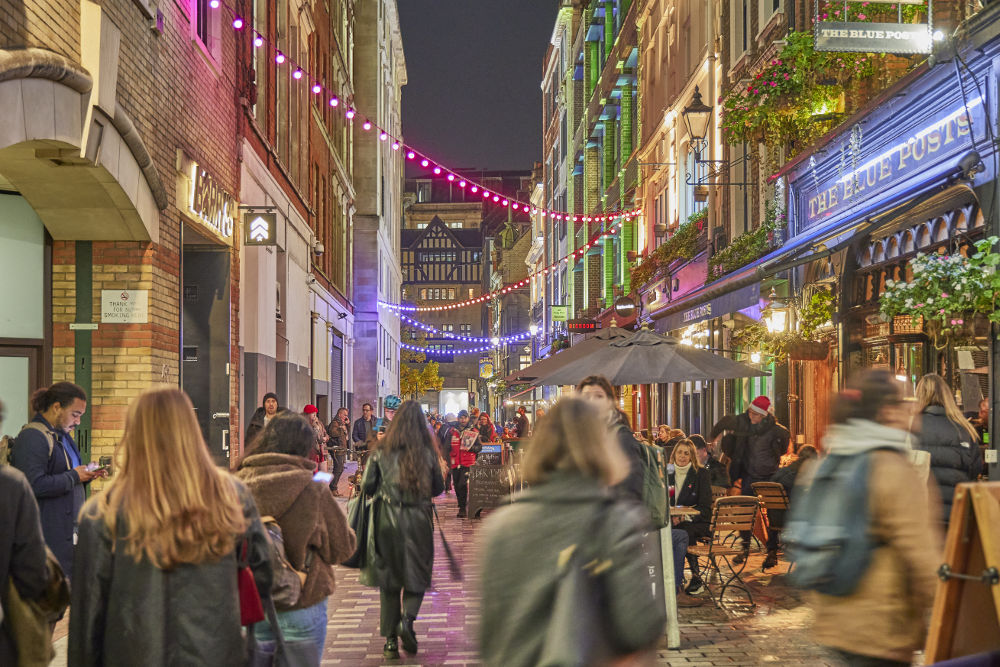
(648, 358)
(563, 357)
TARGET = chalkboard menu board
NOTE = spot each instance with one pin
(489, 486)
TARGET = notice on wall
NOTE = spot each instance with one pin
(124, 306)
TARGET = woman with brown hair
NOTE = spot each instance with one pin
(566, 522)
(156, 564)
(597, 389)
(690, 485)
(950, 439)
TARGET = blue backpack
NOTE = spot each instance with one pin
(827, 534)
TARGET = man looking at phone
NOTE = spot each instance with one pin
(337, 446)
(47, 455)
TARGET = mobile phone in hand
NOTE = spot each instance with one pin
(324, 477)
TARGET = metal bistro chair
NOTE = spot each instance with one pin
(729, 514)
(774, 501)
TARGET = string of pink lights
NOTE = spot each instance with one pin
(579, 252)
(318, 87)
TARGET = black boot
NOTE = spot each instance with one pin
(462, 513)
(771, 560)
(391, 649)
(407, 634)
(739, 558)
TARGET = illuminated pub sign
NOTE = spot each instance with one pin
(210, 204)
(582, 326)
(863, 177)
(871, 37)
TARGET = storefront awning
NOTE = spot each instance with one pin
(729, 302)
(818, 243)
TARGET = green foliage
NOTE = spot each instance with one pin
(747, 247)
(416, 374)
(682, 245)
(815, 314)
(793, 96)
(833, 10)
(946, 289)
(756, 336)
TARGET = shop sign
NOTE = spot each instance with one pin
(485, 368)
(260, 228)
(701, 312)
(625, 307)
(210, 204)
(560, 313)
(922, 149)
(582, 326)
(124, 306)
(902, 38)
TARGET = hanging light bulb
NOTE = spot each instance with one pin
(317, 89)
(334, 101)
(297, 74)
(237, 23)
(279, 58)
(461, 184)
(214, 4)
(395, 145)
(383, 136)
(367, 125)
(258, 41)
(437, 170)
(425, 163)
(410, 155)
(349, 114)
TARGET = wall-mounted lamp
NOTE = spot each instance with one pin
(775, 314)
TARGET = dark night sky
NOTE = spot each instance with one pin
(474, 69)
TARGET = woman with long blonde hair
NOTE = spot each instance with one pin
(156, 561)
(569, 518)
(948, 436)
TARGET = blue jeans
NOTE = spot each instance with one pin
(297, 625)
(679, 540)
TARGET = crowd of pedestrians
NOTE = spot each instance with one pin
(153, 558)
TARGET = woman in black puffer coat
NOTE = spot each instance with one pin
(949, 438)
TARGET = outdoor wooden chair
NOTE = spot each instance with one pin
(774, 503)
(719, 492)
(730, 514)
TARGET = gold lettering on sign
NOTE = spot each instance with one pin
(211, 204)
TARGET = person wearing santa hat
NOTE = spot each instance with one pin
(754, 441)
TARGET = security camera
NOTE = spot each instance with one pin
(311, 280)
(318, 249)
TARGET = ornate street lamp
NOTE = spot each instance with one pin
(697, 116)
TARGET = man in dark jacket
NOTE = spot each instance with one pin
(364, 425)
(338, 445)
(49, 458)
(717, 472)
(269, 407)
(754, 441)
(22, 549)
(522, 423)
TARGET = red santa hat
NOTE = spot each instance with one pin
(760, 405)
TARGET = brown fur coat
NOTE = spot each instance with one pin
(309, 516)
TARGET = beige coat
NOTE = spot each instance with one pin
(887, 615)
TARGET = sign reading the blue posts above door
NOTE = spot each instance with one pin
(260, 228)
(867, 36)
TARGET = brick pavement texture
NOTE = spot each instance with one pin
(773, 632)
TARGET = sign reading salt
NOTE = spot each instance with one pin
(124, 306)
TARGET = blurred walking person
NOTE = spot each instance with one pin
(950, 439)
(566, 572)
(884, 619)
(279, 473)
(157, 560)
(403, 475)
(47, 455)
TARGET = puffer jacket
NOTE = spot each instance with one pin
(125, 612)
(521, 549)
(310, 518)
(886, 616)
(954, 453)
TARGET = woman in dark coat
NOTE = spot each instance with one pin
(692, 487)
(156, 564)
(569, 518)
(402, 476)
(947, 435)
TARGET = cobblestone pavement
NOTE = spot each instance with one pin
(775, 631)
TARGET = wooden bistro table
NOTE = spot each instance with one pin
(684, 511)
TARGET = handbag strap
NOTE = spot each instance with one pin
(456, 569)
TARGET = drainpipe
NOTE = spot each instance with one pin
(715, 396)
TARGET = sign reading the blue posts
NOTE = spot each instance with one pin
(260, 228)
(869, 37)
